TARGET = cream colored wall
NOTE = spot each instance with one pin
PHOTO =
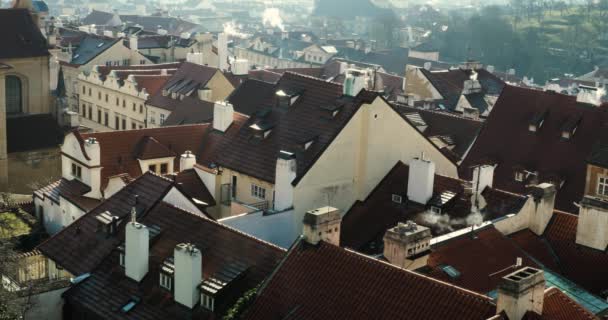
(419, 86)
(220, 87)
(243, 189)
(35, 76)
(145, 164)
(360, 156)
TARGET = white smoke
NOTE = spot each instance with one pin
(272, 18)
(233, 30)
(443, 223)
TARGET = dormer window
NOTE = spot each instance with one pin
(166, 274)
(286, 98)
(207, 302)
(107, 223)
(569, 127)
(397, 198)
(166, 281)
(261, 129)
(76, 171)
(519, 176)
(537, 121)
(435, 210)
(332, 110)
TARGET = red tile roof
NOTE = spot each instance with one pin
(558, 306)
(557, 249)
(328, 282)
(107, 289)
(152, 83)
(506, 140)
(79, 249)
(364, 225)
(121, 149)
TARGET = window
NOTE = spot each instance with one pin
(208, 302)
(125, 62)
(14, 95)
(124, 103)
(166, 281)
(519, 176)
(142, 61)
(134, 106)
(84, 110)
(106, 119)
(117, 123)
(90, 92)
(99, 115)
(162, 119)
(99, 95)
(106, 97)
(164, 168)
(108, 63)
(141, 108)
(76, 171)
(133, 126)
(124, 124)
(84, 90)
(435, 210)
(152, 168)
(117, 101)
(90, 112)
(121, 259)
(602, 186)
(258, 192)
(397, 198)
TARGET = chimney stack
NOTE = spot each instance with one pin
(405, 245)
(137, 246)
(205, 94)
(133, 43)
(222, 51)
(322, 224)
(285, 173)
(520, 292)
(354, 82)
(188, 264)
(544, 204)
(592, 223)
(420, 180)
(223, 114)
(187, 161)
(483, 176)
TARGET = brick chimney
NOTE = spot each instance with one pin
(188, 274)
(137, 247)
(187, 160)
(420, 180)
(285, 173)
(407, 245)
(223, 114)
(520, 292)
(322, 224)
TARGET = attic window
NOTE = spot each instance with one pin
(286, 98)
(537, 121)
(397, 198)
(261, 129)
(519, 176)
(332, 110)
(130, 304)
(450, 271)
(435, 210)
(207, 302)
(569, 127)
(106, 223)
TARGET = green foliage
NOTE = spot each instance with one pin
(241, 304)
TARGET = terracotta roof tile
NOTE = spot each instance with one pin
(558, 306)
(328, 282)
(506, 140)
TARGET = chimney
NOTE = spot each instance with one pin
(483, 176)
(222, 51)
(188, 264)
(163, 72)
(354, 82)
(133, 41)
(520, 292)
(322, 224)
(195, 57)
(544, 204)
(240, 67)
(187, 161)
(407, 245)
(592, 223)
(137, 246)
(590, 95)
(285, 173)
(421, 179)
(205, 94)
(223, 114)
(427, 65)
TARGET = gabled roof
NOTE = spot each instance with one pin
(174, 26)
(506, 140)
(20, 37)
(221, 248)
(96, 17)
(120, 150)
(365, 223)
(450, 83)
(79, 249)
(190, 111)
(304, 119)
(72, 190)
(329, 282)
(32, 132)
(191, 184)
(90, 47)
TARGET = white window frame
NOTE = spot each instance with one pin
(76, 171)
(602, 186)
(121, 259)
(207, 302)
(519, 176)
(162, 118)
(165, 281)
(258, 192)
(397, 198)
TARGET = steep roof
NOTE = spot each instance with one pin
(191, 184)
(33, 132)
(90, 47)
(121, 149)
(221, 247)
(190, 111)
(329, 282)
(72, 190)
(365, 223)
(304, 121)
(78, 249)
(507, 141)
(20, 37)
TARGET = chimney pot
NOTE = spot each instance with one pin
(322, 224)
(520, 292)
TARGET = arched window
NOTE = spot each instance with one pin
(14, 95)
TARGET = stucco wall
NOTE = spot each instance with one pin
(34, 75)
(419, 86)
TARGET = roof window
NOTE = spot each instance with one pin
(570, 126)
(397, 198)
(450, 271)
(130, 305)
(537, 121)
(106, 223)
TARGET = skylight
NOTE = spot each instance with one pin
(450, 271)
(130, 304)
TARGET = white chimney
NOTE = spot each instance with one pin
(483, 176)
(137, 246)
(195, 57)
(133, 42)
(187, 161)
(108, 33)
(240, 67)
(404, 243)
(322, 224)
(163, 72)
(223, 114)
(161, 31)
(590, 95)
(205, 94)
(285, 173)
(592, 223)
(222, 51)
(188, 262)
(490, 69)
(520, 292)
(427, 65)
(354, 82)
(544, 204)
(420, 180)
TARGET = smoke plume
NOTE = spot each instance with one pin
(272, 18)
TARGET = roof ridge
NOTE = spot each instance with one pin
(109, 133)
(309, 77)
(416, 274)
(224, 226)
(438, 112)
(509, 192)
